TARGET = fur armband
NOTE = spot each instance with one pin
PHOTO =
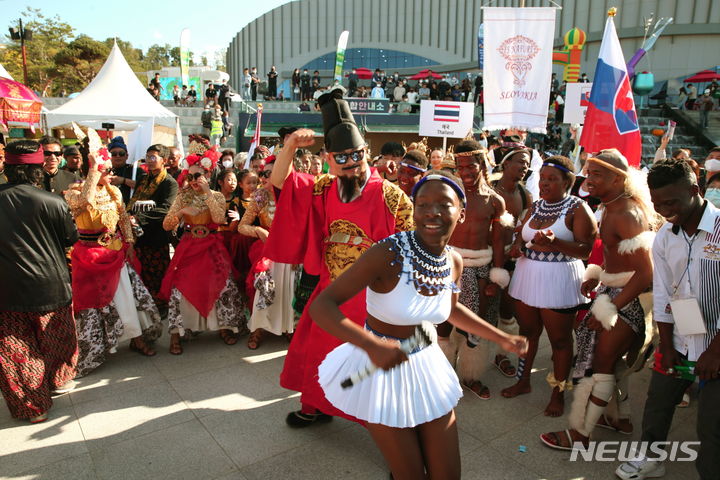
(500, 276)
(643, 241)
(605, 311)
(506, 220)
(592, 272)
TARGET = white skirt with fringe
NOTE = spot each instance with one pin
(417, 391)
(548, 284)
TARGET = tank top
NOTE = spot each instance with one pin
(404, 305)
(558, 227)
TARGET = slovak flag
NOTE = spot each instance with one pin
(611, 120)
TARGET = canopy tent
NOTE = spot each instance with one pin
(4, 73)
(704, 76)
(116, 95)
(19, 106)
(426, 73)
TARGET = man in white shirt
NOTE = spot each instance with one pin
(686, 279)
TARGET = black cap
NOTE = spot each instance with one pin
(286, 131)
(341, 131)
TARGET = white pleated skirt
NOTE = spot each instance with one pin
(423, 388)
(548, 284)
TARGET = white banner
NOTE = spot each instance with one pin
(577, 97)
(446, 119)
(518, 66)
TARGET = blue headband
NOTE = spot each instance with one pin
(559, 167)
(413, 167)
(447, 181)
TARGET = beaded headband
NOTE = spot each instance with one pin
(559, 167)
(470, 153)
(448, 181)
(513, 152)
(413, 167)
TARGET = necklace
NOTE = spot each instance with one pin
(616, 198)
(547, 211)
(429, 271)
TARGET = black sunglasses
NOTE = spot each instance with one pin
(118, 154)
(196, 175)
(48, 153)
(342, 158)
(264, 174)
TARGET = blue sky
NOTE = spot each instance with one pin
(145, 22)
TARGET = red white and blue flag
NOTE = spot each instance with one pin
(446, 113)
(611, 120)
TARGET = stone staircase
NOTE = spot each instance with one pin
(684, 137)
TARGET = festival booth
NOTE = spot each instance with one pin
(117, 97)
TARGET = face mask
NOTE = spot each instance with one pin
(712, 195)
(227, 163)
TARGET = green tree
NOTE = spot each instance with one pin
(80, 61)
(49, 36)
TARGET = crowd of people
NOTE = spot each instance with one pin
(416, 261)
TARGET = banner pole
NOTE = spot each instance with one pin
(444, 145)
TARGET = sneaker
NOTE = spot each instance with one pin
(298, 419)
(640, 469)
(65, 388)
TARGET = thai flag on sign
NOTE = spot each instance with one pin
(611, 120)
(446, 113)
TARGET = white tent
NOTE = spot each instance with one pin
(116, 96)
(4, 73)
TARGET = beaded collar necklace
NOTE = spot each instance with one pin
(429, 271)
(548, 211)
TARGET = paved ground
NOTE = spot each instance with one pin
(217, 412)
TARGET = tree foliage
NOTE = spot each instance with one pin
(58, 61)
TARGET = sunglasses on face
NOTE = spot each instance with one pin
(264, 174)
(342, 158)
(49, 153)
(118, 154)
(196, 175)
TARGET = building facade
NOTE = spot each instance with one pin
(409, 35)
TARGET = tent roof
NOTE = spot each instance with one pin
(4, 73)
(114, 94)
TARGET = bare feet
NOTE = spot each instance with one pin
(556, 407)
(520, 388)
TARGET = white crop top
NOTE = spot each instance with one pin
(404, 305)
(558, 227)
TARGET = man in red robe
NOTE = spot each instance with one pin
(326, 223)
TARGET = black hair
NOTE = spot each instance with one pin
(393, 149)
(670, 171)
(301, 152)
(224, 173)
(162, 150)
(458, 189)
(567, 168)
(244, 173)
(418, 157)
(48, 140)
(227, 152)
(471, 146)
(714, 178)
(24, 174)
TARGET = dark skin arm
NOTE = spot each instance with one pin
(372, 269)
(639, 261)
(708, 365)
(670, 356)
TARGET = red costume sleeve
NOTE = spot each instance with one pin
(298, 229)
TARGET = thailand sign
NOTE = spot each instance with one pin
(446, 119)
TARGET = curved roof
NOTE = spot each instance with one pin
(115, 94)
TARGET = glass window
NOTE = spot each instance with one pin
(371, 58)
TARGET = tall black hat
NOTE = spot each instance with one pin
(341, 131)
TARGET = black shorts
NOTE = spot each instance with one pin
(583, 306)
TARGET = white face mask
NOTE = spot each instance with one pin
(712, 195)
(227, 163)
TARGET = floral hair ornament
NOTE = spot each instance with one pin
(208, 160)
(446, 180)
(198, 145)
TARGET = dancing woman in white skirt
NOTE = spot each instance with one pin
(410, 277)
(557, 233)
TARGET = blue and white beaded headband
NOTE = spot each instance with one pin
(448, 181)
(413, 167)
(559, 167)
